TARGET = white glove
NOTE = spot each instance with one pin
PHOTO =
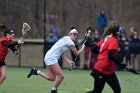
(20, 41)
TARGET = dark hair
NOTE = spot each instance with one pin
(113, 28)
(4, 29)
(70, 28)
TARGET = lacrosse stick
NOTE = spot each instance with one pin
(88, 33)
(132, 70)
(25, 29)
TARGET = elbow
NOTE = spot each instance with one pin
(110, 57)
(77, 54)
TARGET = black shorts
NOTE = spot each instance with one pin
(97, 74)
(2, 63)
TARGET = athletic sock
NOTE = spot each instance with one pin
(38, 72)
(53, 88)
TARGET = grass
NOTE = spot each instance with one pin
(76, 81)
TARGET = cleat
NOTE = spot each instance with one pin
(32, 72)
(90, 92)
(54, 91)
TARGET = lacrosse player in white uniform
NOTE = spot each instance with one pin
(52, 56)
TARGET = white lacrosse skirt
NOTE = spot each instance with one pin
(52, 56)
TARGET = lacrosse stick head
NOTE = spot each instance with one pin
(25, 29)
(89, 31)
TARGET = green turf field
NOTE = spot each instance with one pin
(76, 81)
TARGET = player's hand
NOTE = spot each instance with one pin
(72, 63)
(123, 66)
(20, 41)
(16, 52)
(83, 45)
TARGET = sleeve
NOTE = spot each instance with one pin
(6, 44)
(95, 49)
(111, 57)
(70, 42)
(11, 46)
(99, 43)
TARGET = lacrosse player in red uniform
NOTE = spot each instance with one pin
(104, 69)
(6, 43)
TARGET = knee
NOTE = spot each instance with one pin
(3, 77)
(51, 78)
(61, 76)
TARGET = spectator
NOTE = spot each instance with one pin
(88, 54)
(94, 56)
(90, 57)
(124, 51)
(53, 36)
(101, 22)
(134, 45)
(122, 31)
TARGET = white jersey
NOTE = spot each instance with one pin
(57, 50)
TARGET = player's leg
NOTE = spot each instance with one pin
(50, 75)
(59, 73)
(98, 86)
(114, 84)
(2, 74)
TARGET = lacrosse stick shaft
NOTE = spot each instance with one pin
(75, 60)
(71, 67)
(132, 70)
(19, 45)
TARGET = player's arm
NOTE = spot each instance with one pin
(11, 46)
(95, 49)
(66, 59)
(6, 44)
(113, 58)
(74, 50)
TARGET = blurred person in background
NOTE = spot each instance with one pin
(101, 22)
(96, 38)
(51, 40)
(88, 53)
(124, 51)
(134, 45)
(6, 43)
(53, 35)
(55, 73)
(104, 69)
(90, 57)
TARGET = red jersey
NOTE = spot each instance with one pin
(4, 50)
(104, 64)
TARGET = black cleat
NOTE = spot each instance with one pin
(32, 72)
(54, 91)
(90, 92)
